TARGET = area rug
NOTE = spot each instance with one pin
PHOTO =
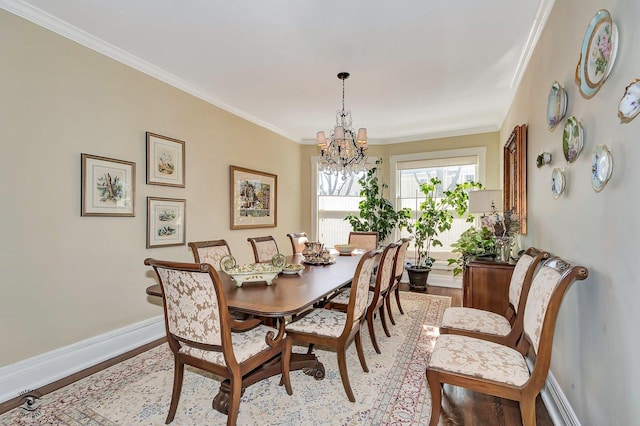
(138, 391)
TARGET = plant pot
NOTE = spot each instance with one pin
(418, 277)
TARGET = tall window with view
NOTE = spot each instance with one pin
(450, 171)
(336, 198)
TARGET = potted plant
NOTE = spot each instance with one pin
(472, 242)
(434, 217)
(377, 214)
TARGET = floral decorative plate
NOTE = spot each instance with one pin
(630, 102)
(557, 182)
(556, 105)
(598, 53)
(572, 139)
(601, 167)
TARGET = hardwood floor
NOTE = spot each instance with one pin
(464, 407)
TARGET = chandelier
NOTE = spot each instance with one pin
(345, 151)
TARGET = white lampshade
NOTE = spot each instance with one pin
(485, 201)
(362, 136)
(338, 133)
(321, 139)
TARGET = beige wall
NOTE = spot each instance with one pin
(595, 348)
(491, 141)
(66, 278)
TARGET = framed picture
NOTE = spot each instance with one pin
(166, 222)
(165, 161)
(253, 199)
(515, 175)
(108, 186)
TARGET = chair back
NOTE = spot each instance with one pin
(364, 240)
(547, 290)
(399, 261)
(359, 294)
(297, 242)
(193, 300)
(386, 270)
(522, 276)
(264, 248)
(210, 251)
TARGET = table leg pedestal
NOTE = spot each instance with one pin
(308, 363)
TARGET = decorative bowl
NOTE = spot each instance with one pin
(252, 272)
(292, 268)
(345, 249)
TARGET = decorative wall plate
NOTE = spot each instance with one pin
(556, 105)
(601, 167)
(630, 102)
(598, 53)
(557, 182)
(572, 139)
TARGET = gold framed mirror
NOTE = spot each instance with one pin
(515, 174)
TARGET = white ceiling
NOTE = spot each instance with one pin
(419, 69)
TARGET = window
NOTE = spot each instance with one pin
(451, 167)
(333, 199)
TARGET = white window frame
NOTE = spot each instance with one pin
(480, 152)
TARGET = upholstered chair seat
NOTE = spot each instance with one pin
(470, 319)
(479, 358)
(321, 322)
(342, 298)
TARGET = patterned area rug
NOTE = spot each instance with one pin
(138, 391)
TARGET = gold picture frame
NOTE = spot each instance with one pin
(165, 161)
(253, 199)
(515, 175)
(108, 186)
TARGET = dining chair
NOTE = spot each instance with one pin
(210, 251)
(377, 293)
(364, 240)
(507, 328)
(264, 248)
(337, 329)
(395, 283)
(500, 370)
(297, 242)
(201, 333)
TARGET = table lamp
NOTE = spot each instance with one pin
(486, 201)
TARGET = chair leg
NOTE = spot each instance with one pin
(397, 293)
(384, 321)
(178, 373)
(388, 303)
(436, 397)
(372, 333)
(342, 365)
(234, 400)
(528, 411)
(363, 362)
(286, 360)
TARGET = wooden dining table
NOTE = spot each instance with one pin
(288, 295)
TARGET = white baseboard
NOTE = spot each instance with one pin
(46, 368)
(557, 404)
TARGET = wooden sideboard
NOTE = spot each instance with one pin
(486, 285)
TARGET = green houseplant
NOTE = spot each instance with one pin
(377, 214)
(434, 217)
(472, 242)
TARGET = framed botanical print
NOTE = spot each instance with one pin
(108, 186)
(165, 161)
(253, 199)
(166, 222)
